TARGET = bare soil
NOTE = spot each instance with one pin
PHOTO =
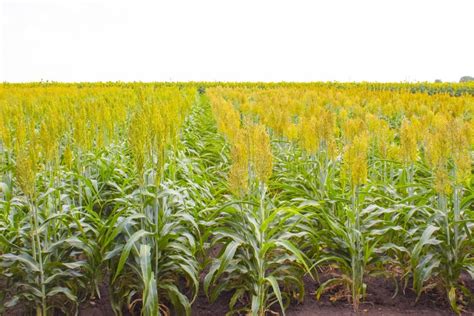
(98, 307)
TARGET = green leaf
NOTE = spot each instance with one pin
(227, 256)
(235, 297)
(62, 290)
(208, 279)
(126, 250)
(295, 251)
(23, 258)
(276, 290)
(470, 270)
(75, 265)
(425, 240)
(255, 305)
(4, 188)
(150, 293)
(12, 302)
(178, 299)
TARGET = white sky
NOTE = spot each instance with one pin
(236, 40)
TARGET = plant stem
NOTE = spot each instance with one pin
(457, 195)
(357, 268)
(444, 209)
(156, 207)
(39, 257)
(410, 180)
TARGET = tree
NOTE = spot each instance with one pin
(466, 79)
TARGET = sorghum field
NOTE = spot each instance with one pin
(239, 198)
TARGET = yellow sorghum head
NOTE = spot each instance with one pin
(438, 152)
(309, 134)
(459, 140)
(68, 156)
(408, 142)
(332, 148)
(352, 128)
(262, 158)
(239, 170)
(442, 183)
(291, 131)
(437, 142)
(137, 137)
(355, 159)
(393, 152)
(26, 171)
(384, 137)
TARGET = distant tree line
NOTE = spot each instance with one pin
(466, 79)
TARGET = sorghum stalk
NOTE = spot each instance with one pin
(457, 196)
(410, 169)
(38, 255)
(357, 257)
(156, 208)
